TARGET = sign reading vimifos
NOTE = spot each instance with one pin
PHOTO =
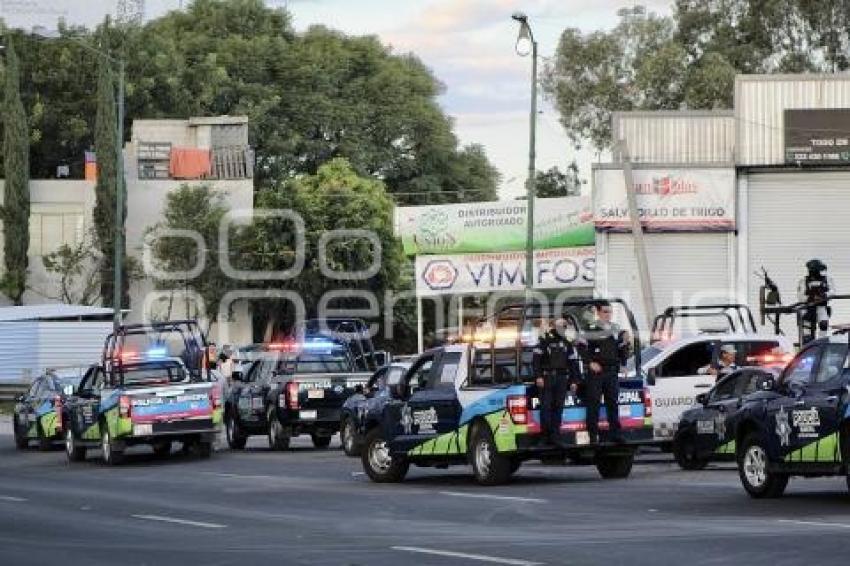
(817, 137)
(494, 226)
(560, 268)
(668, 200)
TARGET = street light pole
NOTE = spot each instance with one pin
(118, 257)
(525, 33)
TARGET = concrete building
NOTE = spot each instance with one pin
(62, 209)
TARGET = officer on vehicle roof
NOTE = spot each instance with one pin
(815, 287)
(604, 350)
(725, 365)
(555, 364)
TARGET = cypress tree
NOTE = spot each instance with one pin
(106, 188)
(16, 198)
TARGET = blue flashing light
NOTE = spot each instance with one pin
(157, 353)
(318, 344)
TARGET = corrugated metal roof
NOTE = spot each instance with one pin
(52, 312)
(687, 137)
(760, 102)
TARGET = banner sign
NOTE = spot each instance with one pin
(817, 137)
(669, 200)
(494, 226)
(560, 268)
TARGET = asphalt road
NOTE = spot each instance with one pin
(316, 507)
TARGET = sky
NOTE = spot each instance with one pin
(469, 45)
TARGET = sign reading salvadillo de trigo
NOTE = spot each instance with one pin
(687, 200)
(469, 274)
(494, 226)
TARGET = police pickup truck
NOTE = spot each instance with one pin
(153, 387)
(476, 403)
(799, 423)
(293, 388)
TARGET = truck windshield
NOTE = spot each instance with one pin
(147, 375)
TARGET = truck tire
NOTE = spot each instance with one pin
(614, 467)
(279, 436)
(378, 463)
(321, 440)
(161, 449)
(488, 465)
(685, 452)
(236, 440)
(111, 454)
(74, 451)
(348, 436)
(758, 481)
(21, 440)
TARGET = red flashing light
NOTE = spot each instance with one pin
(517, 406)
(292, 395)
(771, 359)
(288, 346)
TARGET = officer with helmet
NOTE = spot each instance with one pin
(814, 289)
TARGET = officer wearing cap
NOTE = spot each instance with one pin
(725, 364)
(555, 364)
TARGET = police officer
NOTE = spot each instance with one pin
(815, 288)
(725, 364)
(604, 350)
(555, 363)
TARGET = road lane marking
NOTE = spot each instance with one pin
(179, 521)
(489, 496)
(12, 498)
(816, 523)
(478, 557)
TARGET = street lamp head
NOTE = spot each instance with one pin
(520, 17)
(525, 39)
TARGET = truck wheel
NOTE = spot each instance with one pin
(21, 440)
(378, 463)
(320, 441)
(349, 439)
(613, 467)
(685, 452)
(489, 467)
(162, 449)
(74, 452)
(45, 444)
(235, 439)
(757, 480)
(112, 456)
(278, 436)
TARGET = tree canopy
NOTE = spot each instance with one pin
(689, 60)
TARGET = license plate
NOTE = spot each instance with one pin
(625, 410)
(142, 430)
(307, 415)
(582, 437)
(315, 394)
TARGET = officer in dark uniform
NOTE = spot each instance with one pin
(604, 350)
(555, 363)
(814, 289)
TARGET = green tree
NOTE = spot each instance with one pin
(201, 209)
(16, 199)
(557, 183)
(107, 187)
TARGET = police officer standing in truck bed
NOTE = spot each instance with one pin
(604, 350)
(555, 363)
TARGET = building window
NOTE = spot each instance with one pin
(52, 226)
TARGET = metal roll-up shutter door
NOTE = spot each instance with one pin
(794, 217)
(685, 268)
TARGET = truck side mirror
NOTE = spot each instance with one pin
(651, 374)
(702, 399)
(382, 358)
(767, 383)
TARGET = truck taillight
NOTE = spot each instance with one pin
(124, 406)
(647, 403)
(292, 395)
(57, 406)
(215, 397)
(517, 408)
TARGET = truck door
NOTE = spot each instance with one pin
(85, 409)
(791, 423)
(434, 407)
(817, 412)
(712, 429)
(677, 383)
(249, 397)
